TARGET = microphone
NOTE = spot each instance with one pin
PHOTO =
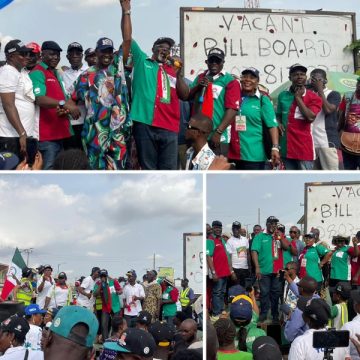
(201, 98)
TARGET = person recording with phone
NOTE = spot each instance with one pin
(325, 133)
(216, 94)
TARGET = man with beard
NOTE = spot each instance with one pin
(267, 254)
(152, 300)
(297, 109)
(75, 56)
(50, 95)
(156, 89)
(107, 126)
(216, 94)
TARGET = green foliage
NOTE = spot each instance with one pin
(355, 45)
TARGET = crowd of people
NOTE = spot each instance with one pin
(124, 109)
(295, 283)
(100, 317)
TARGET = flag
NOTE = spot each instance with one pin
(4, 3)
(16, 267)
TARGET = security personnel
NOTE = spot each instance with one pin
(24, 291)
(187, 298)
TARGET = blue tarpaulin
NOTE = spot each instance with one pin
(3, 3)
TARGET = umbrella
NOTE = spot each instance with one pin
(339, 81)
(4, 3)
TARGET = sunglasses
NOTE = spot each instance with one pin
(288, 269)
(292, 232)
(214, 60)
(191, 127)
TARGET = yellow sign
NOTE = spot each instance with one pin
(167, 272)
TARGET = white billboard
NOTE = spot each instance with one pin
(333, 208)
(269, 40)
(193, 260)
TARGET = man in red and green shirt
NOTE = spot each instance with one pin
(217, 95)
(267, 254)
(296, 110)
(155, 108)
(219, 267)
(50, 95)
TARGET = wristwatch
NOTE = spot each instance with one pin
(213, 272)
(127, 12)
(61, 103)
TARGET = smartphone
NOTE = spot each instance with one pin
(330, 339)
(32, 147)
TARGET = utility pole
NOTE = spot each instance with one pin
(259, 216)
(154, 262)
(27, 252)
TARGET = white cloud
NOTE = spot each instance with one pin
(94, 254)
(70, 5)
(268, 196)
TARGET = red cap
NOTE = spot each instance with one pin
(36, 48)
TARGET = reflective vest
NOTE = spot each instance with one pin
(25, 294)
(69, 296)
(98, 303)
(184, 298)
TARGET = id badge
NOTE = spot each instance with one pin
(303, 262)
(240, 123)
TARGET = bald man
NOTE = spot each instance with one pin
(188, 331)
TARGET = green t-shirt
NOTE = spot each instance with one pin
(262, 244)
(219, 84)
(236, 355)
(312, 261)
(255, 109)
(285, 99)
(115, 302)
(340, 264)
(253, 332)
(168, 309)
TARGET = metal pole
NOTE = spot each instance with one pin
(259, 216)
(154, 262)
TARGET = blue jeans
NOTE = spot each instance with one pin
(218, 294)
(157, 148)
(270, 291)
(293, 164)
(49, 151)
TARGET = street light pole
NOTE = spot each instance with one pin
(58, 267)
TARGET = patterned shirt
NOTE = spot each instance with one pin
(202, 160)
(107, 126)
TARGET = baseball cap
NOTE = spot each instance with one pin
(35, 47)
(162, 40)
(75, 45)
(144, 317)
(236, 224)
(103, 272)
(47, 266)
(50, 45)
(271, 219)
(16, 46)
(216, 52)
(33, 309)
(131, 273)
(68, 317)
(62, 275)
(252, 71)
(310, 235)
(104, 43)
(134, 341)
(241, 309)
(89, 51)
(8, 161)
(216, 223)
(318, 310)
(236, 290)
(266, 348)
(343, 289)
(296, 67)
(162, 333)
(358, 234)
(16, 325)
(308, 283)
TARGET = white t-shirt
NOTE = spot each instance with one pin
(88, 285)
(18, 353)
(13, 81)
(69, 77)
(302, 349)
(40, 300)
(33, 338)
(58, 296)
(129, 292)
(238, 247)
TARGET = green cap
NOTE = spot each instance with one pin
(68, 317)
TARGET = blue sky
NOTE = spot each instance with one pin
(237, 197)
(86, 21)
(115, 221)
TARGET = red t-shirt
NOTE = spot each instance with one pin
(220, 258)
(355, 264)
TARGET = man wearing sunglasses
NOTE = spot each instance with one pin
(216, 94)
(199, 156)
